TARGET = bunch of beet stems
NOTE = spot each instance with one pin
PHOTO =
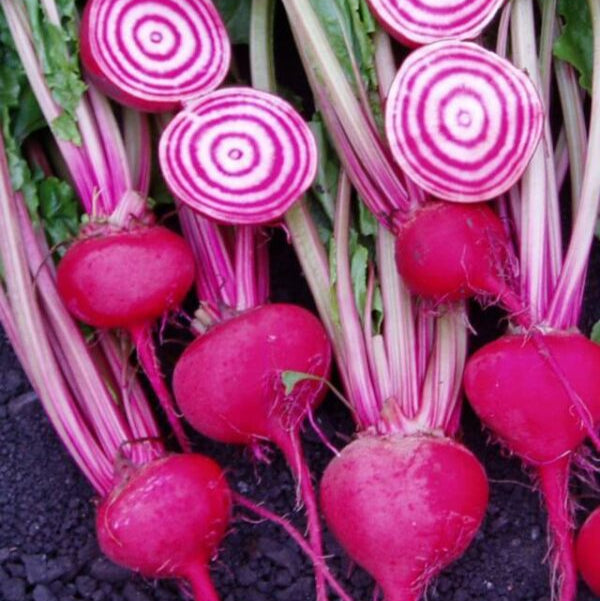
(544, 301)
(111, 193)
(402, 382)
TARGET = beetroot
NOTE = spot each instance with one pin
(167, 519)
(228, 383)
(404, 507)
(449, 251)
(541, 395)
(126, 279)
(588, 551)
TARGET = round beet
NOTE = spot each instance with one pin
(520, 396)
(450, 251)
(228, 382)
(588, 551)
(167, 519)
(540, 394)
(404, 507)
(127, 278)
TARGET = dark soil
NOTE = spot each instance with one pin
(48, 550)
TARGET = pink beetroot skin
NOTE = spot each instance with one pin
(404, 507)
(448, 251)
(167, 519)
(588, 551)
(228, 381)
(126, 279)
(540, 393)
(517, 394)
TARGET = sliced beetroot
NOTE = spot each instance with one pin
(167, 519)
(418, 22)
(588, 551)
(518, 394)
(448, 251)
(126, 278)
(462, 122)
(238, 155)
(153, 56)
(404, 507)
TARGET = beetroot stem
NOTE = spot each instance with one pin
(361, 390)
(572, 276)
(142, 338)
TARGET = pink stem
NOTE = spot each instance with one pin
(245, 267)
(120, 180)
(362, 395)
(138, 148)
(142, 338)
(291, 447)
(317, 560)
(263, 278)
(554, 484)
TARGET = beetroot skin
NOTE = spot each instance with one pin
(518, 395)
(228, 383)
(167, 520)
(127, 278)
(588, 551)
(404, 507)
(450, 251)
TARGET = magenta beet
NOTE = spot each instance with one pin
(404, 507)
(238, 155)
(449, 251)
(228, 382)
(228, 385)
(588, 551)
(154, 56)
(167, 519)
(126, 279)
(462, 122)
(536, 392)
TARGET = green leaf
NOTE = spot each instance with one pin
(575, 45)
(65, 127)
(59, 210)
(595, 335)
(57, 49)
(236, 16)
(27, 117)
(359, 264)
(291, 378)
(349, 26)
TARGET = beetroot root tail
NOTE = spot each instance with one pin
(554, 484)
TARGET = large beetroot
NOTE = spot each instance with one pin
(404, 507)
(532, 391)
